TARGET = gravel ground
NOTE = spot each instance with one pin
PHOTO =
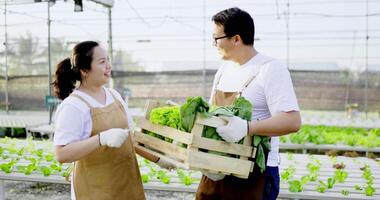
(16, 190)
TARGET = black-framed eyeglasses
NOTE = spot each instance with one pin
(221, 37)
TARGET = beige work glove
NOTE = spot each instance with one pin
(164, 163)
(113, 137)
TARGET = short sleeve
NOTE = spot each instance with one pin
(69, 125)
(278, 87)
(215, 82)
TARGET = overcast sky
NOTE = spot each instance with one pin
(321, 31)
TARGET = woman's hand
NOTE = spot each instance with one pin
(113, 137)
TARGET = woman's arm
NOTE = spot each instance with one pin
(112, 138)
(160, 161)
(76, 150)
(145, 154)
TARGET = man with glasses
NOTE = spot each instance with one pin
(267, 84)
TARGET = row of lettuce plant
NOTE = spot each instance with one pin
(28, 158)
(340, 175)
(36, 157)
(335, 135)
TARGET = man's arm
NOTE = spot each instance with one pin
(280, 124)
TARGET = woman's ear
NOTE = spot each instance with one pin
(83, 74)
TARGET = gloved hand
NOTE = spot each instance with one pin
(213, 176)
(235, 129)
(113, 137)
(164, 163)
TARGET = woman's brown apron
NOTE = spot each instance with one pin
(231, 187)
(108, 173)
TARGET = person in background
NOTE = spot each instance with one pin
(93, 129)
(267, 84)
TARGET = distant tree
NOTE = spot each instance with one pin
(123, 61)
(26, 56)
(60, 50)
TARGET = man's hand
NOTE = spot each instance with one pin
(113, 137)
(235, 130)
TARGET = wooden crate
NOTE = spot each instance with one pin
(193, 157)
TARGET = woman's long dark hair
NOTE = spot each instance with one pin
(69, 69)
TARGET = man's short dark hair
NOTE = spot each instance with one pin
(236, 22)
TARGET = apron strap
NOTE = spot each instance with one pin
(253, 76)
(82, 99)
(113, 95)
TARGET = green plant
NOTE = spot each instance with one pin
(313, 168)
(369, 190)
(288, 173)
(46, 171)
(358, 187)
(145, 178)
(330, 183)
(185, 178)
(345, 192)
(27, 170)
(163, 177)
(295, 186)
(335, 135)
(321, 188)
(8, 167)
(340, 175)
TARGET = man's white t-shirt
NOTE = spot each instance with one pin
(73, 118)
(271, 92)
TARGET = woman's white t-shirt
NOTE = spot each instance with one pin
(73, 118)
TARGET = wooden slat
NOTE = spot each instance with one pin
(248, 143)
(169, 132)
(196, 131)
(221, 146)
(218, 163)
(162, 146)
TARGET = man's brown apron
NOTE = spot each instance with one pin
(231, 187)
(108, 173)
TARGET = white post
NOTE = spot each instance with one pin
(2, 190)
(6, 58)
(204, 69)
(49, 61)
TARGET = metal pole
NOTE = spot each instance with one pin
(6, 58)
(348, 72)
(366, 65)
(49, 61)
(110, 48)
(287, 35)
(204, 51)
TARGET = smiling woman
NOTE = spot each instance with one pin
(92, 129)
